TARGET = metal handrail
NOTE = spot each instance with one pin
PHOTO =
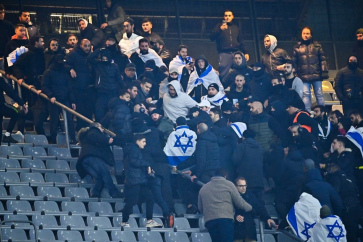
(19, 221)
(64, 107)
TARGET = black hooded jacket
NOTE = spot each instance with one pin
(235, 70)
(49, 56)
(121, 60)
(261, 87)
(120, 116)
(93, 34)
(135, 166)
(7, 30)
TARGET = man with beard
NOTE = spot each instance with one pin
(52, 50)
(358, 47)
(143, 54)
(218, 120)
(357, 121)
(334, 117)
(58, 87)
(72, 42)
(132, 89)
(326, 135)
(143, 92)
(281, 93)
(201, 78)
(130, 41)
(292, 81)
(118, 58)
(115, 18)
(176, 103)
(260, 85)
(159, 47)
(165, 125)
(265, 127)
(173, 76)
(215, 97)
(24, 18)
(274, 58)
(184, 64)
(129, 74)
(239, 67)
(156, 75)
(349, 85)
(93, 34)
(108, 80)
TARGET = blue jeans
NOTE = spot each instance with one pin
(225, 62)
(221, 230)
(318, 90)
(97, 168)
(154, 185)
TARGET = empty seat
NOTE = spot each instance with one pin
(56, 177)
(9, 177)
(28, 163)
(142, 222)
(22, 191)
(100, 207)
(78, 192)
(17, 217)
(49, 192)
(74, 207)
(62, 153)
(9, 163)
(14, 234)
(96, 235)
(201, 237)
(73, 221)
(18, 137)
(120, 205)
(101, 222)
(35, 151)
(19, 206)
(57, 164)
(176, 237)
(10, 150)
(43, 235)
(3, 192)
(75, 178)
(46, 206)
(123, 236)
(69, 235)
(48, 221)
(36, 139)
(118, 220)
(327, 97)
(150, 236)
(31, 177)
(181, 223)
(267, 238)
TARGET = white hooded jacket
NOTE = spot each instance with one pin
(129, 45)
(151, 55)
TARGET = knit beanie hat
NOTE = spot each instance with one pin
(359, 31)
(158, 111)
(239, 128)
(150, 64)
(215, 85)
(325, 211)
(181, 121)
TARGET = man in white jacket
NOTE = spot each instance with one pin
(176, 103)
(130, 41)
(184, 64)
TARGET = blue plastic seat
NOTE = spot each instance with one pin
(49, 192)
(57, 164)
(150, 236)
(73, 221)
(201, 237)
(9, 163)
(46, 206)
(69, 235)
(10, 150)
(142, 222)
(176, 237)
(43, 235)
(100, 222)
(96, 235)
(36, 139)
(17, 217)
(48, 221)
(22, 191)
(3, 192)
(61, 153)
(56, 177)
(123, 236)
(118, 220)
(14, 234)
(100, 207)
(74, 207)
(77, 192)
(31, 177)
(28, 163)
(34, 151)
(9, 177)
(19, 206)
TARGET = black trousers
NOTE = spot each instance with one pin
(6, 110)
(351, 219)
(54, 111)
(85, 105)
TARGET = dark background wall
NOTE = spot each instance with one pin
(334, 22)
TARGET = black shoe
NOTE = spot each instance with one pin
(9, 139)
(95, 195)
(192, 210)
(170, 221)
(118, 195)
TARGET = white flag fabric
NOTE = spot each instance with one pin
(303, 215)
(206, 78)
(151, 55)
(13, 56)
(329, 229)
(180, 145)
(178, 63)
(356, 137)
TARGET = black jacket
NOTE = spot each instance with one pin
(77, 60)
(121, 60)
(228, 40)
(120, 116)
(284, 95)
(261, 87)
(30, 65)
(203, 117)
(235, 96)
(323, 191)
(271, 61)
(141, 96)
(349, 84)
(94, 143)
(95, 35)
(305, 119)
(248, 159)
(345, 161)
(10, 47)
(156, 76)
(7, 30)
(207, 154)
(235, 70)
(4, 87)
(57, 83)
(248, 227)
(152, 38)
(49, 56)
(310, 61)
(108, 76)
(135, 166)
(358, 51)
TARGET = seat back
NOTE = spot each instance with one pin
(101, 222)
(176, 237)
(45, 220)
(181, 223)
(73, 221)
(56, 177)
(100, 207)
(10, 150)
(201, 237)
(17, 217)
(123, 236)
(61, 153)
(69, 235)
(9, 163)
(34, 151)
(96, 235)
(150, 236)
(14, 234)
(19, 206)
(49, 191)
(22, 191)
(28, 163)
(78, 192)
(46, 206)
(36, 139)
(77, 207)
(43, 235)
(31, 177)
(57, 164)
(9, 177)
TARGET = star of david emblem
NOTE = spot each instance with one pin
(184, 147)
(306, 230)
(331, 231)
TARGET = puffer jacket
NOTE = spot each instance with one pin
(120, 116)
(94, 143)
(310, 61)
(135, 166)
(349, 84)
(274, 59)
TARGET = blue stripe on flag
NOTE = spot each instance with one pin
(291, 217)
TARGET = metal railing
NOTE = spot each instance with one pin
(19, 221)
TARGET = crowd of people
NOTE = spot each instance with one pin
(236, 123)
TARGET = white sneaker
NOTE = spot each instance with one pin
(125, 225)
(153, 224)
(20, 134)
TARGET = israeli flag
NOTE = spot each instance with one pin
(329, 229)
(303, 216)
(356, 138)
(180, 145)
